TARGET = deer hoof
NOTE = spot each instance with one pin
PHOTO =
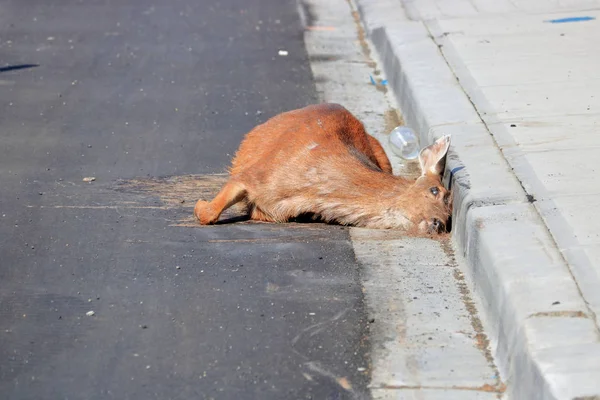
(204, 213)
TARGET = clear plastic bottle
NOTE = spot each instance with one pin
(404, 143)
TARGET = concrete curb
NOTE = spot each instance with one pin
(546, 344)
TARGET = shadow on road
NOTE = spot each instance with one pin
(17, 67)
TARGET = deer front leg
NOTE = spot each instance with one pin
(256, 214)
(209, 212)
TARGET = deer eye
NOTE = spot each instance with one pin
(434, 191)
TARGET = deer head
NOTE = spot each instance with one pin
(427, 202)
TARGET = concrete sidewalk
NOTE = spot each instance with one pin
(517, 85)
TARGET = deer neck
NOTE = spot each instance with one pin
(374, 200)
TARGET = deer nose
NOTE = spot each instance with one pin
(436, 226)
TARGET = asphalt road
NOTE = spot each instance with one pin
(151, 99)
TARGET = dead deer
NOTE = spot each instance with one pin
(320, 161)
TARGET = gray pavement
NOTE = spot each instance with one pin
(152, 100)
(128, 92)
(515, 84)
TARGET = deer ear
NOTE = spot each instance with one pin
(433, 157)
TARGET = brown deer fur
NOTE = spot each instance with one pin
(319, 160)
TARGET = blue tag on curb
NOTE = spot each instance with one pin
(572, 19)
(448, 175)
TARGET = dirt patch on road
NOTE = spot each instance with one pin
(180, 192)
(176, 191)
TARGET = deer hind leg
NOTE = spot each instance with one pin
(382, 160)
(209, 212)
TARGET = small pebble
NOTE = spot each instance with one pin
(283, 52)
(89, 179)
(90, 313)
